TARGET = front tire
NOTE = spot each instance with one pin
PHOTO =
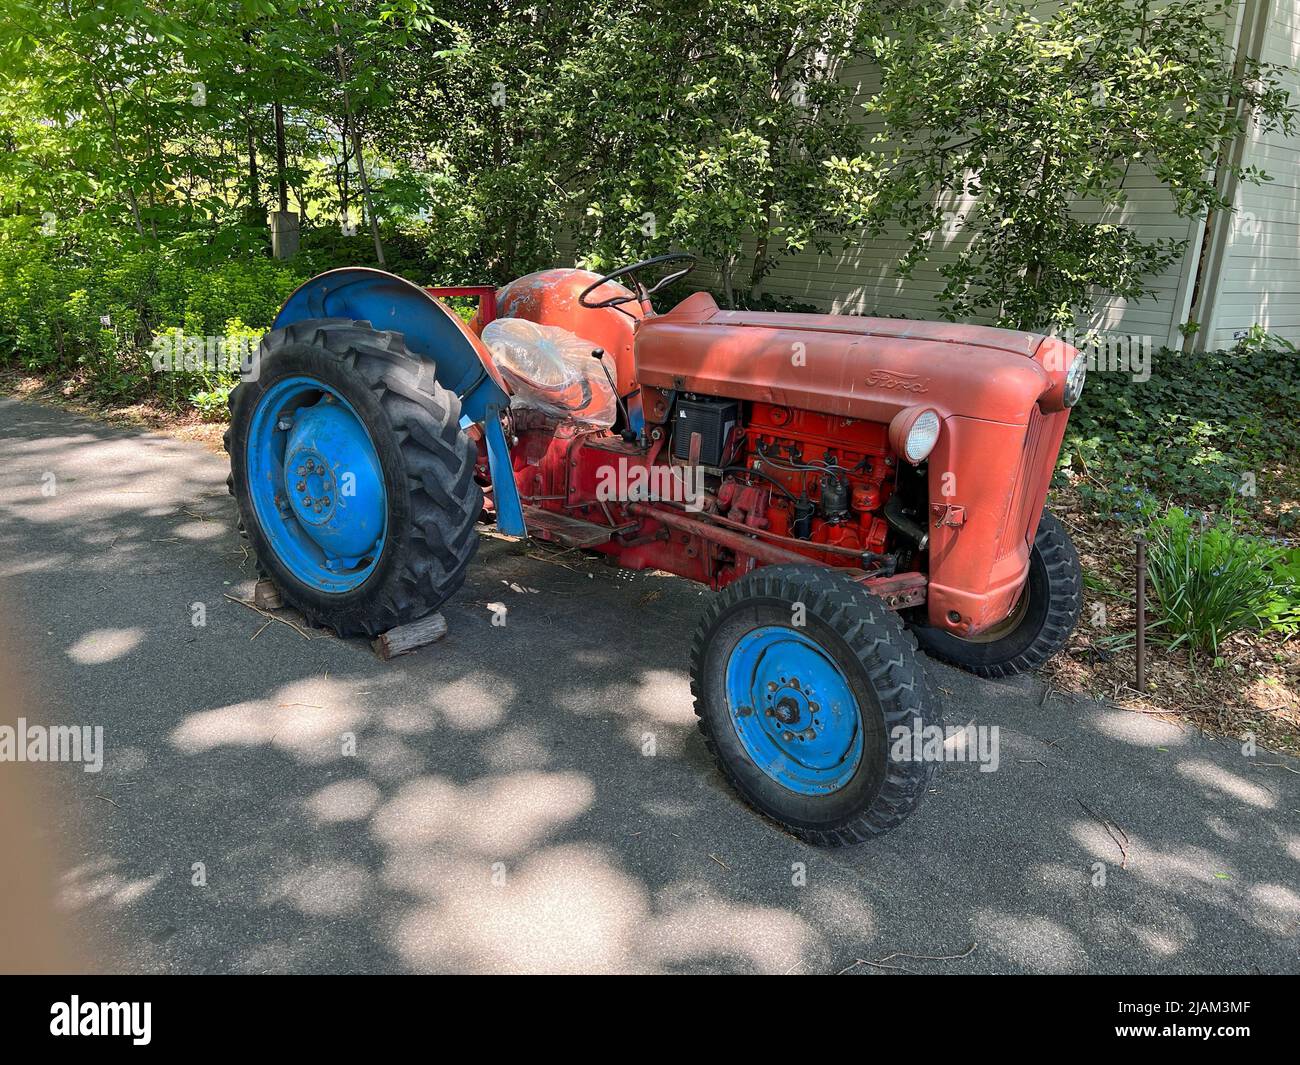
(1039, 626)
(802, 680)
(353, 477)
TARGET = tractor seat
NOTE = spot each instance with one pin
(551, 370)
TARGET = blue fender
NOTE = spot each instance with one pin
(461, 361)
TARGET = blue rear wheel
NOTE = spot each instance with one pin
(354, 479)
(316, 484)
(804, 683)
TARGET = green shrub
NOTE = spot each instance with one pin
(1209, 580)
(1283, 611)
(90, 305)
(212, 403)
(1187, 435)
(406, 253)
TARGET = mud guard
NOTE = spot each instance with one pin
(462, 363)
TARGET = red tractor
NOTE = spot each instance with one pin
(850, 486)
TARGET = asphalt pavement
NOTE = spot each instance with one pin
(534, 796)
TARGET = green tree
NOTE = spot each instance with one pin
(1024, 118)
(710, 126)
(474, 139)
(90, 96)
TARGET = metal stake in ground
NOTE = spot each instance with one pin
(1141, 544)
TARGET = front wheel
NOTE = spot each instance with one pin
(809, 696)
(1038, 626)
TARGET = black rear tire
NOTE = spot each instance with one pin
(1053, 598)
(426, 459)
(870, 647)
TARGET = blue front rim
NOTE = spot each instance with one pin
(316, 484)
(793, 710)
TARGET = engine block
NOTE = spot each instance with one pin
(834, 475)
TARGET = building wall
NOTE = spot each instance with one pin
(1258, 261)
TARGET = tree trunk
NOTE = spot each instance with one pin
(356, 147)
(759, 269)
(254, 180)
(365, 192)
(1035, 269)
(279, 156)
(728, 289)
(345, 155)
(111, 114)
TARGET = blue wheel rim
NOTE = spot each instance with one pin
(316, 484)
(793, 710)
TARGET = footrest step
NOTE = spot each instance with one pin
(564, 530)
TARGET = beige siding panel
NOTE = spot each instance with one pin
(1260, 281)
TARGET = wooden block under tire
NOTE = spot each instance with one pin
(266, 596)
(406, 638)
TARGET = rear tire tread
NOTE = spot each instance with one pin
(424, 422)
(1065, 600)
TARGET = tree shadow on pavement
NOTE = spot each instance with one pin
(533, 796)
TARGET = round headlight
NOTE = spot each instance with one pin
(922, 437)
(1074, 378)
(914, 432)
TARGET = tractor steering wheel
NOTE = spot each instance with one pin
(640, 293)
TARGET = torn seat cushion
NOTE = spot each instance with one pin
(551, 370)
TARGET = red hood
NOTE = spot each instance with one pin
(851, 366)
(973, 336)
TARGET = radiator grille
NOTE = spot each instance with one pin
(1023, 497)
